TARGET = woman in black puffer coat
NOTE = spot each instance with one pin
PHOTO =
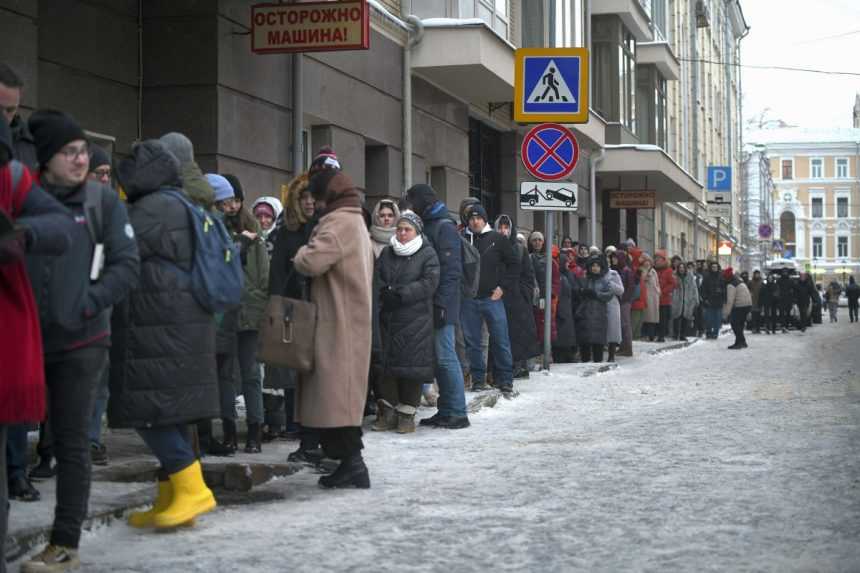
(595, 292)
(405, 280)
(163, 373)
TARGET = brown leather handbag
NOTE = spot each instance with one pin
(288, 333)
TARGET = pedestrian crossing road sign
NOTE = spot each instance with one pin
(551, 84)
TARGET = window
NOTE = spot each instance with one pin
(842, 247)
(817, 207)
(817, 247)
(787, 168)
(614, 89)
(842, 207)
(493, 12)
(627, 65)
(816, 168)
(842, 168)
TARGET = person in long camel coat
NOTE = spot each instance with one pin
(339, 260)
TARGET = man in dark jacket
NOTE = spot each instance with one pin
(805, 293)
(713, 295)
(852, 292)
(499, 274)
(441, 230)
(785, 297)
(75, 294)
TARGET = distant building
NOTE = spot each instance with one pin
(756, 207)
(816, 197)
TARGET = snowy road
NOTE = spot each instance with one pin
(702, 459)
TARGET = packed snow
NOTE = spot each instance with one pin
(700, 459)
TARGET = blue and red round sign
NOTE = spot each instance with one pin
(550, 151)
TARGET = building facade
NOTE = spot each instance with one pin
(430, 101)
(756, 208)
(816, 197)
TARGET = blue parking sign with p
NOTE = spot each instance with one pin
(719, 178)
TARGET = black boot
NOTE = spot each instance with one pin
(350, 473)
(44, 470)
(252, 442)
(229, 429)
(310, 457)
(612, 348)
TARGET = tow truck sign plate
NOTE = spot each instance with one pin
(543, 196)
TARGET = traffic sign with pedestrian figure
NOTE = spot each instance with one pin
(551, 84)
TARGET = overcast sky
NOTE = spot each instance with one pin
(798, 33)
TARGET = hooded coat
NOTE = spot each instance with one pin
(686, 297)
(595, 291)
(339, 260)
(518, 300)
(50, 225)
(163, 353)
(255, 264)
(381, 236)
(194, 184)
(406, 331)
(613, 308)
(271, 235)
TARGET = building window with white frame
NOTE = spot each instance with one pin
(842, 207)
(842, 247)
(816, 168)
(493, 12)
(817, 247)
(842, 168)
(787, 166)
(817, 207)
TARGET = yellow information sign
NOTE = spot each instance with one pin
(551, 85)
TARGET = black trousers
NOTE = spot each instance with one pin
(587, 352)
(680, 325)
(738, 319)
(72, 378)
(665, 317)
(770, 314)
(852, 311)
(756, 321)
(341, 443)
(784, 315)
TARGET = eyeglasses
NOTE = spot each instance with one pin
(102, 173)
(72, 153)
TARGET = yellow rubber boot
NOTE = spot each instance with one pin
(143, 519)
(191, 497)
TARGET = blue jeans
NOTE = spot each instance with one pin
(102, 395)
(171, 445)
(713, 318)
(449, 375)
(473, 313)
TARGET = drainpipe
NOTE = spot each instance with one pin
(694, 116)
(298, 115)
(593, 161)
(413, 36)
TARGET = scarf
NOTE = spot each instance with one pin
(408, 249)
(382, 235)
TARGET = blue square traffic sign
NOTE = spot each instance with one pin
(719, 178)
(551, 85)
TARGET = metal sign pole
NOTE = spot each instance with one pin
(547, 311)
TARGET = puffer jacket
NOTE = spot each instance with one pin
(406, 331)
(686, 297)
(737, 296)
(163, 354)
(255, 263)
(595, 291)
(713, 290)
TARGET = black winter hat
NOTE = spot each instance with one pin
(422, 197)
(237, 187)
(98, 157)
(52, 130)
(477, 209)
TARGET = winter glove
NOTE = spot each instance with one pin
(391, 299)
(439, 316)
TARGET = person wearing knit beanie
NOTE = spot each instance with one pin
(100, 165)
(179, 145)
(477, 210)
(238, 192)
(728, 274)
(222, 188)
(52, 131)
(325, 159)
(413, 219)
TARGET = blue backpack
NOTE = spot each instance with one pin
(217, 279)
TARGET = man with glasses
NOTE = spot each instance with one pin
(75, 294)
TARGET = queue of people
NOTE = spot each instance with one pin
(104, 287)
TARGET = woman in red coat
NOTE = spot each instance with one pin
(30, 221)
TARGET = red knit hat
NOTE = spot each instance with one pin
(728, 274)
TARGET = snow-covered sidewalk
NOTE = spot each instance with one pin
(695, 459)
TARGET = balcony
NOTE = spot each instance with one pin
(647, 167)
(659, 54)
(631, 12)
(467, 59)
